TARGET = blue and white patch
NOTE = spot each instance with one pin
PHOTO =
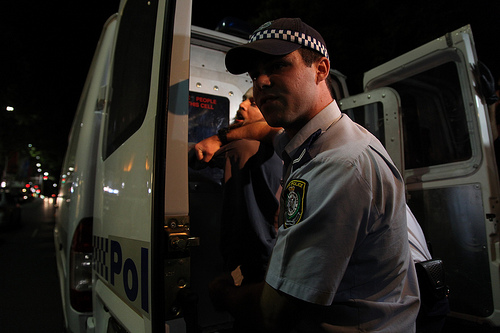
(295, 201)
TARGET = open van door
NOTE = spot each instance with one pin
(143, 152)
(156, 226)
(379, 112)
(449, 166)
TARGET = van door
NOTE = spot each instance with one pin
(142, 153)
(379, 112)
(449, 166)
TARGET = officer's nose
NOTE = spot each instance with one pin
(261, 81)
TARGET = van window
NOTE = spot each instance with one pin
(207, 115)
(75, 133)
(434, 120)
(131, 73)
(371, 117)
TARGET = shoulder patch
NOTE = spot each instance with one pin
(295, 201)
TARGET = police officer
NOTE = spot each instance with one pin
(341, 262)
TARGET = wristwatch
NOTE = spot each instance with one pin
(222, 135)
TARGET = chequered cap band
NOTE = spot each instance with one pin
(291, 36)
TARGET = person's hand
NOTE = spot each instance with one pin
(206, 148)
(237, 276)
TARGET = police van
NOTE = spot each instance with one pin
(137, 230)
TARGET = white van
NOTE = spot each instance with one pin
(137, 230)
(75, 201)
(427, 108)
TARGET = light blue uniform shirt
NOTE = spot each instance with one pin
(343, 244)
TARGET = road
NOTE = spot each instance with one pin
(30, 300)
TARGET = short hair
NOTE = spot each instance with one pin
(309, 55)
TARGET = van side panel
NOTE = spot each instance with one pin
(75, 200)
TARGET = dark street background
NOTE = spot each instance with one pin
(30, 300)
(46, 50)
(47, 47)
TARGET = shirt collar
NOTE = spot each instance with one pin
(321, 121)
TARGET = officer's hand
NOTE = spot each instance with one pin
(206, 149)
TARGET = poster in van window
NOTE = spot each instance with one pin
(207, 114)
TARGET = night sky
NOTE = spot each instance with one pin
(47, 47)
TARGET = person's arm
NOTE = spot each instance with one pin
(280, 312)
(257, 305)
(260, 131)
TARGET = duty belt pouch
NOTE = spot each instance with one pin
(431, 280)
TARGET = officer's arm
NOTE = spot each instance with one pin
(258, 305)
(280, 312)
(259, 131)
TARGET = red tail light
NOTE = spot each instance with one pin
(80, 282)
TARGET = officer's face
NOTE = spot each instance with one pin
(285, 90)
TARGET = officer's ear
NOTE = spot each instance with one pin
(322, 69)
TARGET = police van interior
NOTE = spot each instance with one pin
(158, 85)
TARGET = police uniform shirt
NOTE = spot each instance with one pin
(343, 244)
(418, 245)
